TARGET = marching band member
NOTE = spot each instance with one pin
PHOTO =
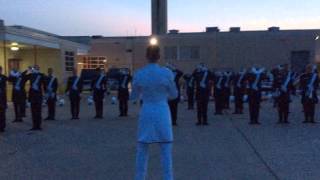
(37, 83)
(309, 83)
(123, 92)
(226, 90)
(239, 88)
(190, 84)
(3, 100)
(218, 92)
(99, 87)
(19, 94)
(283, 86)
(203, 89)
(173, 104)
(74, 90)
(254, 79)
(154, 85)
(51, 94)
(275, 72)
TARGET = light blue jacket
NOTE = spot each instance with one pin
(154, 85)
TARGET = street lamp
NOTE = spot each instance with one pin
(154, 41)
(14, 48)
(317, 38)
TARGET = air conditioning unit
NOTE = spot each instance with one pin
(212, 29)
(235, 29)
(274, 29)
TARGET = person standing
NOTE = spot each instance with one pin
(309, 83)
(226, 90)
(218, 92)
(3, 100)
(37, 83)
(123, 92)
(275, 72)
(190, 84)
(239, 88)
(74, 90)
(202, 82)
(255, 78)
(154, 85)
(19, 94)
(51, 94)
(99, 87)
(283, 86)
(173, 104)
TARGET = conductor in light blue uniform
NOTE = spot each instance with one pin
(154, 85)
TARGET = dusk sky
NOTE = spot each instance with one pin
(132, 17)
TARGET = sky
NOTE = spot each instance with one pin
(133, 17)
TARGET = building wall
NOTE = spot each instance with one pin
(226, 50)
(120, 53)
(317, 51)
(2, 61)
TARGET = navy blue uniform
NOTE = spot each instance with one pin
(283, 87)
(190, 85)
(173, 104)
(239, 90)
(51, 87)
(254, 95)
(35, 97)
(74, 90)
(219, 81)
(309, 84)
(99, 87)
(203, 90)
(123, 94)
(3, 102)
(19, 95)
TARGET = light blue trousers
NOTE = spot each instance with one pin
(142, 161)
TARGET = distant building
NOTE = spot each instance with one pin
(21, 47)
(227, 50)
(234, 49)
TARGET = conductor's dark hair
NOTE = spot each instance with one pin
(153, 53)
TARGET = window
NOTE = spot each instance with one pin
(69, 60)
(189, 52)
(171, 53)
(93, 62)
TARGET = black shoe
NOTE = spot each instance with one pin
(48, 119)
(254, 123)
(17, 121)
(2, 130)
(313, 122)
(198, 124)
(305, 122)
(35, 129)
(205, 124)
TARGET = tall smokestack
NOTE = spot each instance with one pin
(159, 17)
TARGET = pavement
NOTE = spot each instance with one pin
(228, 149)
